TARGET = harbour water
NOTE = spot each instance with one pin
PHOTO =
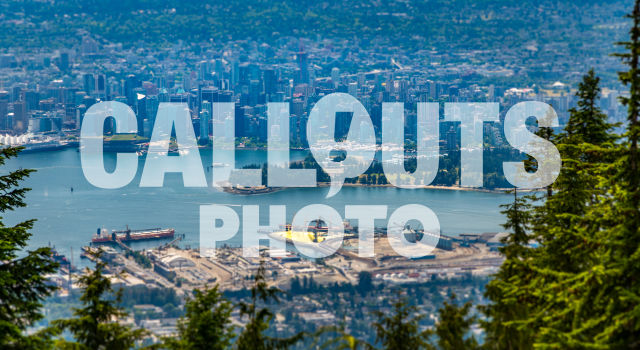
(68, 219)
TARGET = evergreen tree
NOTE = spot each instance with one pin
(587, 123)
(585, 285)
(564, 231)
(566, 227)
(96, 325)
(605, 310)
(401, 329)
(454, 325)
(253, 336)
(531, 164)
(507, 292)
(365, 282)
(627, 190)
(22, 276)
(206, 324)
(623, 252)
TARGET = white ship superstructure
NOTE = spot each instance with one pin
(32, 142)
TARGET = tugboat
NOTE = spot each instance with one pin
(60, 259)
(250, 190)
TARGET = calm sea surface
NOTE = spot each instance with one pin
(68, 219)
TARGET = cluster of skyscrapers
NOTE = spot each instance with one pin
(49, 92)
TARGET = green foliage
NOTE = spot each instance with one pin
(401, 330)
(587, 122)
(139, 258)
(253, 336)
(526, 308)
(144, 294)
(206, 324)
(365, 282)
(339, 339)
(453, 328)
(417, 22)
(507, 291)
(95, 325)
(606, 311)
(518, 220)
(127, 137)
(23, 284)
(579, 288)
(586, 260)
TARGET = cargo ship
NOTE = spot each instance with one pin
(128, 235)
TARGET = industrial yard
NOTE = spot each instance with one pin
(183, 270)
(455, 266)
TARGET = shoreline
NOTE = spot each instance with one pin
(327, 184)
(440, 187)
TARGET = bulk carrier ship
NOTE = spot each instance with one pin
(128, 235)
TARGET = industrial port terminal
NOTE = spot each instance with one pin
(170, 266)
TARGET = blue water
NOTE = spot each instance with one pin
(68, 219)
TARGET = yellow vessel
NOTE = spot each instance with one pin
(300, 236)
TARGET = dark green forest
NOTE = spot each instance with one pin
(431, 24)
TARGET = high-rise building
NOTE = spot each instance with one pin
(303, 65)
(204, 71)
(343, 122)
(294, 131)
(16, 93)
(225, 96)
(140, 110)
(89, 83)
(4, 110)
(130, 84)
(152, 109)
(63, 61)
(297, 107)
(32, 98)
(20, 120)
(240, 121)
(101, 86)
(80, 110)
(270, 81)
(163, 95)
(219, 69)
(353, 89)
(254, 92)
(335, 76)
(205, 118)
(160, 81)
(452, 139)
(209, 93)
(235, 73)
(433, 90)
(491, 93)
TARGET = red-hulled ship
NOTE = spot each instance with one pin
(128, 235)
